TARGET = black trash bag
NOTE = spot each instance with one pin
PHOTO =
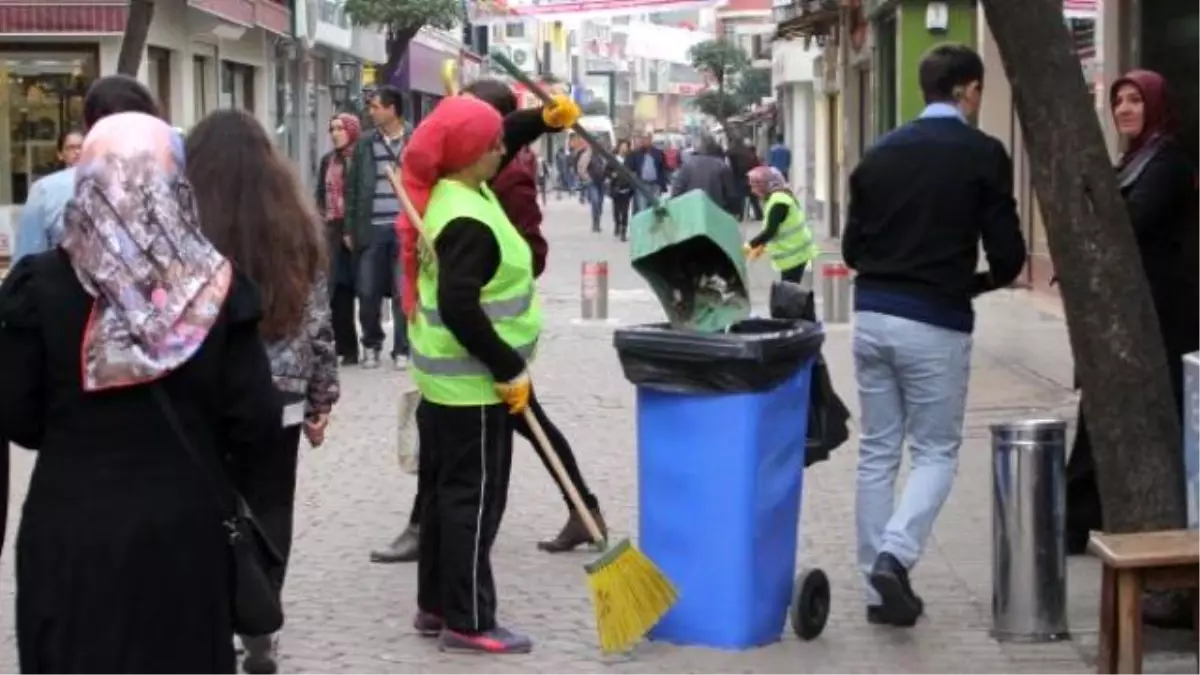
(753, 355)
(828, 417)
(791, 301)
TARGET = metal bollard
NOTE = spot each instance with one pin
(1191, 435)
(835, 292)
(1029, 520)
(593, 291)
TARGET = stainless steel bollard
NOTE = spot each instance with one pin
(1029, 520)
(835, 292)
(593, 291)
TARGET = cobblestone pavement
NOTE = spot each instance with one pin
(346, 615)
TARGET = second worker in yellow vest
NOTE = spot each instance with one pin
(785, 237)
(474, 328)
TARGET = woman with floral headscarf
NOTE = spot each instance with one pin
(123, 562)
(344, 130)
(785, 235)
(1158, 182)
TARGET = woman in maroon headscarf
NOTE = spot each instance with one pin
(1158, 183)
(344, 130)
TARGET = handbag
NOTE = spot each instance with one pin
(255, 602)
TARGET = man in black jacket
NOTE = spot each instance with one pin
(921, 200)
(650, 164)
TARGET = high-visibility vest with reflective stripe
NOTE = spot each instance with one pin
(793, 244)
(442, 369)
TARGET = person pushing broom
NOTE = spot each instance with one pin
(475, 321)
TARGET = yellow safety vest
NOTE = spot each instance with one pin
(793, 244)
(442, 369)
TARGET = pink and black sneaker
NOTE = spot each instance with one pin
(495, 641)
(428, 624)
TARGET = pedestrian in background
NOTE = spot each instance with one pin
(647, 163)
(786, 236)
(779, 157)
(621, 191)
(254, 210)
(371, 210)
(344, 132)
(921, 201)
(708, 171)
(1158, 182)
(742, 159)
(123, 559)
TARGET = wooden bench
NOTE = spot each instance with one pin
(1134, 563)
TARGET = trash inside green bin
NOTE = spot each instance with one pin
(690, 252)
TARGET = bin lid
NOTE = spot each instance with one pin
(690, 252)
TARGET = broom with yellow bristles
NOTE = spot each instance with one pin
(629, 592)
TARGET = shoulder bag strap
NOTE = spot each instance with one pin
(223, 493)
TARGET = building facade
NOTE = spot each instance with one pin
(200, 55)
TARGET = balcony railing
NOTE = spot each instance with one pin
(819, 12)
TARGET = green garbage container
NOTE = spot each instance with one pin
(690, 253)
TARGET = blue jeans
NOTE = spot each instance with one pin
(912, 384)
(595, 193)
(640, 203)
(378, 278)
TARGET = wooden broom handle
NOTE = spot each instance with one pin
(585, 514)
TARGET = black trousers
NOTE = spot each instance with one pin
(465, 459)
(345, 333)
(621, 213)
(268, 482)
(795, 274)
(5, 459)
(558, 444)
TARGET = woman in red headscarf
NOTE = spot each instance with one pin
(1158, 182)
(474, 323)
(344, 130)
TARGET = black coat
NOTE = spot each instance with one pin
(1159, 187)
(122, 560)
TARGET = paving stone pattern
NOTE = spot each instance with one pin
(348, 616)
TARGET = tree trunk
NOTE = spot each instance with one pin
(1119, 353)
(721, 107)
(397, 46)
(133, 42)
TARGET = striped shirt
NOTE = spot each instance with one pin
(384, 207)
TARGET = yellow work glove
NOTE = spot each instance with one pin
(515, 393)
(752, 252)
(561, 112)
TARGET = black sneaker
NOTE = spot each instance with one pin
(495, 641)
(901, 606)
(428, 624)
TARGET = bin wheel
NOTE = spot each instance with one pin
(810, 605)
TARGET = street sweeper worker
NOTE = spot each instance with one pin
(475, 322)
(785, 237)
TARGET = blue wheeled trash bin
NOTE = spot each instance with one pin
(721, 440)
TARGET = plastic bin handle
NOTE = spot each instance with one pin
(613, 161)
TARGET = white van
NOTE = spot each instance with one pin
(600, 127)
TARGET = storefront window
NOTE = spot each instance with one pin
(158, 78)
(42, 97)
(237, 86)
